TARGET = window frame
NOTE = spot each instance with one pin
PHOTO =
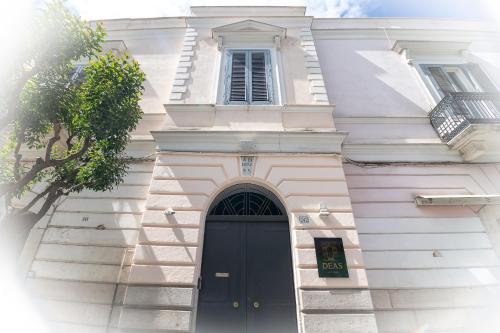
(465, 77)
(429, 85)
(79, 71)
(271, 76)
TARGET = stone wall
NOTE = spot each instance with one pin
(77, 257)
(161, 292)
(429, 267)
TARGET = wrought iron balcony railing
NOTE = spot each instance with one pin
(459, 110)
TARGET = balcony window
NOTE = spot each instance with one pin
(445, 79)
(77, 74)
(466, 97)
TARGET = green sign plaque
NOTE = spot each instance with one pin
(330, 256)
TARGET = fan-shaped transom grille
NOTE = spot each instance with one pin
(245, 201)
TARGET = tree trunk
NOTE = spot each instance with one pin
(14, 231)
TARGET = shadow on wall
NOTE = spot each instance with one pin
(365, 79)
(158, 56)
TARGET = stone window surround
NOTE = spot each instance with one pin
(250, 35)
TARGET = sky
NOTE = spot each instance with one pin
(465, 9)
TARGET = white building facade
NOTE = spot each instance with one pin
(265, 129)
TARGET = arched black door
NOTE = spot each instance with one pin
(246, 272)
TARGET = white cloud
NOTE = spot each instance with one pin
(109, 9)
(336, 8)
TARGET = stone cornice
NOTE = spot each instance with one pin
(142, 23)
(282, 21)
(156, 23)
(151, 115)
(389, 23)
(327, 141)
(317, 141)
(400, 152)
(393, 34)
(405, 23)
(419, 50)
(432, 47)
(382, 120)
(216, 107)
(249, 11)
(141, 146)
(431, 29)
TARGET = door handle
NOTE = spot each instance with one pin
(236, 304)
(256, 305)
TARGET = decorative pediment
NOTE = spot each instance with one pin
(249, 30)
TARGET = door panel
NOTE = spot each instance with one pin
(222, 279)
(269, 278)
(255, 260)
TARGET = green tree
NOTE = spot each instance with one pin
(78, 125)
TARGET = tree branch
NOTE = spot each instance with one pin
(40, 195)
(52, 141)
(69, 145)
(85, 147)
(51, 198)
(69, 190)
(41, 165)
(16, 170)
(57, 185)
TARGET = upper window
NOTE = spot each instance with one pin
(445, 79)
(77, 74)
(454, 78)
(248, 77)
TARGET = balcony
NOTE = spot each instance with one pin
(470, 123)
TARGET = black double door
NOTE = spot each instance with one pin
(247, 281)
